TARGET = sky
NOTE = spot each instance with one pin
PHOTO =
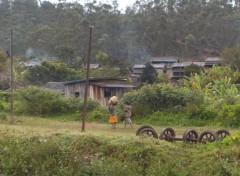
(122, 3)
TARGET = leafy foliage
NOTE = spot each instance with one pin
(49, 71)
(37, 101)
(149, 74)
(192, 69)
(91, 155)
(229, 115)
(231, 56)
(161, 96)
(217, 83)
(181, 28)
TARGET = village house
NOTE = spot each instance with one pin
(160, 64)
(167, 61)
(137, 70)
(178, 69)
(210, 61)
(99, 89)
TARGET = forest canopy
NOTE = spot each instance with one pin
(187, 29)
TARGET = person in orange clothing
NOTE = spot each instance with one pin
(113, 117)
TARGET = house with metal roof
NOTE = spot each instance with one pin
(168, 61)
(210, 61)
(137, 70)
(160, 68)
(178, 69)
(99, 89)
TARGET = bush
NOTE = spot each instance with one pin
(203, 111)
(3, 116)
(99, 116)
(35, 100)
(229, 115)
(156, 97)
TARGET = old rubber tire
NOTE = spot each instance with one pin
(140, 128)
(167, 134)
(190, 136)
(221, 134)
(207, 136)
(149, 132)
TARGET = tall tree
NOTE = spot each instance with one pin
(149, 74)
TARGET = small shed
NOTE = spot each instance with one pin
(100, 89)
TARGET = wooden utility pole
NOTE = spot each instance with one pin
(11, 67)
(87, 80)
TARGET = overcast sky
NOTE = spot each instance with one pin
(122, 3)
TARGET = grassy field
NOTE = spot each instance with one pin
(45, 126)
(41, 146)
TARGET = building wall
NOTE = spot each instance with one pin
(95, 92)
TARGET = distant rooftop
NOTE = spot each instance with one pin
(184, 64)
(139, 66)
(158, 65)
(55, 86)
(113, 85)
(96, 79)
(165, 59)
(212, 59)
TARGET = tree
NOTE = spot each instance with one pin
(4, 71)
(66, 54)
(231, 56)
(3, 59)
(149, 74)
(49, 71)
(192, 69)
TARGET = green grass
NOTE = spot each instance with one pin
(42, 146)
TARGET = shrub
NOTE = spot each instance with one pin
(161, 97)
(99, 115)
(3, 116)
(201, 111)
(35, 100)
(229, 115)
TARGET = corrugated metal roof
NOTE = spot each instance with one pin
(139, 66)
(212, 59)
(184, 64)
(165, 59)
(95, 79)
(158, 65)
(113, 85)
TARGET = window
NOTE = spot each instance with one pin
(77, 94)
(107, 92)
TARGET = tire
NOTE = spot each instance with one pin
(190, 136)
(167, 134)
(207, 136)
(221, 134)
(140, 128)
(149, 132)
